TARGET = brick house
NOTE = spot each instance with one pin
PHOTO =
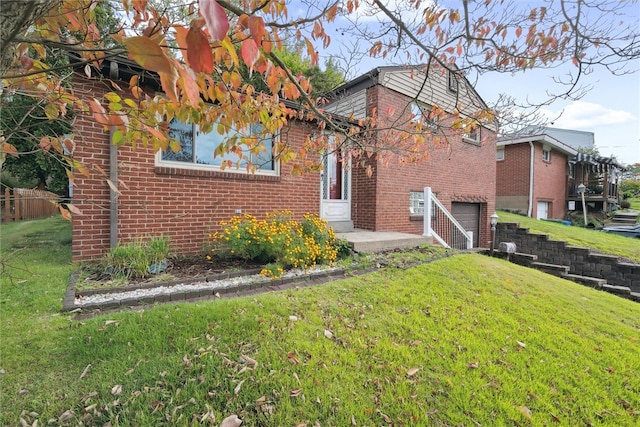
(460, 170)
(532, 175)
(184, 198)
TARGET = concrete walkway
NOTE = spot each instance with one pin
(378, 241)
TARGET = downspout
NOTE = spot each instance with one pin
(113, 195)
(531, 159)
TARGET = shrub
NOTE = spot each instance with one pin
(625, 204)
(277, 240)
(134, 259)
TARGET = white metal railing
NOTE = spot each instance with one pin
(441, 225)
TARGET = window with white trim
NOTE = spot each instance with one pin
(473, 135)
(423, 112)
(452, 82)
(416, 203)
(500, 154)
(546, 154)
(198, 149)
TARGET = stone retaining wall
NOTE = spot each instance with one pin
(582, 261)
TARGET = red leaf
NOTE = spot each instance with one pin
(148, 54)
(190, 87)
(26, 62)
(249, 53)
(168, 81)
(198, 51)
(9, 149)
(256, 28)
(215, 18)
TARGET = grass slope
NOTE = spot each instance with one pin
(605, 242)
(463, 340)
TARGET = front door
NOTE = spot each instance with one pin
(335, 189)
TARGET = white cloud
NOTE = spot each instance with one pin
(587, 115)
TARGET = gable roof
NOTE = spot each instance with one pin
(541, 138)
(411, 81)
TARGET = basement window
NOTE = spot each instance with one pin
(416, 203)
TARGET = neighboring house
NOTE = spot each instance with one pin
(185, 196)
(540, 174)
(532, 175)
(460, 171)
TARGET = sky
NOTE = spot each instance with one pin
(610, 107)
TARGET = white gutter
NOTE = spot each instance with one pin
(532, 159)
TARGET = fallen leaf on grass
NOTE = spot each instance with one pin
(521, 344)
(85, 371)
(116, 389)
(237, 389)
(252, 363)
(472, 365)
(328, 334)
(66, 416)
(554, 418)
(295, 393)
(292, 358)
(231, 421)
(525, 411)
(411, 372)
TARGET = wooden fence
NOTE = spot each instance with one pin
(23, 203)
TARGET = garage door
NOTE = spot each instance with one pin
(468, 215)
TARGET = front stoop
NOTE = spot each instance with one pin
(342, 226)
(379, 241)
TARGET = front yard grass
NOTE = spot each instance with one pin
(465, 340)
(613, 244)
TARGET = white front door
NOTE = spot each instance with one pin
(335, 189)
(543, 210)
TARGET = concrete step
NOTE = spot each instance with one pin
(556, 270)
(622, 221)
(592, 282)
(379, 241)
(342, 226)
(635, 296)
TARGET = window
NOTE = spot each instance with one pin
(423, 112)
(500, 154)
(416, 203)
(473, 134)
(453, 82)
(198, 148)
(546, 155)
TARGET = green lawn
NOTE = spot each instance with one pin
(605, 242)
(466, 340)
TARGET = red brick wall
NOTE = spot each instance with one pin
(184, 205)
(513, 172)
(457, 171)
(550, 182)
(550, 178)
